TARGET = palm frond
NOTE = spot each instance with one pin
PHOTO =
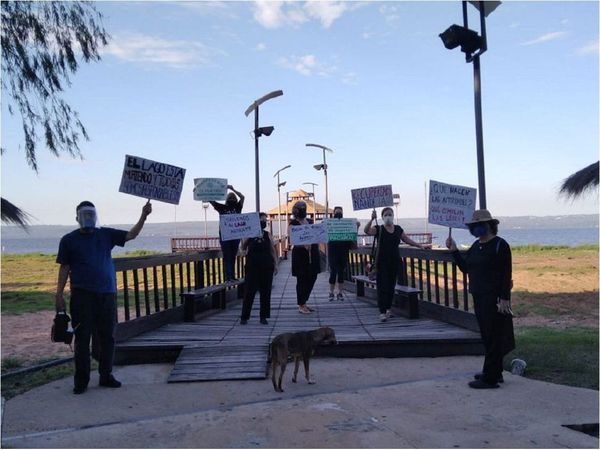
(580, 181)
(14, 214)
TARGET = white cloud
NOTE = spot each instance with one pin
(276, 14)
(139, 48)
(307, 65)
(591, 47)
(261, 46)
(546, 38)
(389, 12)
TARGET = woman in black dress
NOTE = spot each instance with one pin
(388, 258)
(306, 263)
(488, 263)
(261, 265)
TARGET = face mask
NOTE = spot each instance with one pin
(388, 220)
(338, 215)
(86, 217)
(263, 224)
(479, 230)
(301, 213)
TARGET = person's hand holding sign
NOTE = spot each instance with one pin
(374, 214)
(147, 209)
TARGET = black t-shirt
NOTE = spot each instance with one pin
(388, 244)
(227, 209)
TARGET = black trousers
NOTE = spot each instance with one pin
(229, 249)
(337, 270)
(492, 326)
(93, 313)
(305, 282)
(386, 285)
(258, 279)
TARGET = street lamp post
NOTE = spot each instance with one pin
(324, 167)
(396, 198)
(473, 46)
(205, 206)
(258, 132)
(279, 186)
(313, 196)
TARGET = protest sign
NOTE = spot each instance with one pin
(239, 226)
(152, 180)
(308, 234)
(210, 189)
(450, 205)
(341, 229)
(372, 197)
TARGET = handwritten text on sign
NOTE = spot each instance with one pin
(341, 229)
(239, 226)
(210, 189)
(372, 197)
(450, 205)
(308, 234)
(151, 179)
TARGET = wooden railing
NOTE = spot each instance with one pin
(194, 244)
(433, 271)
(365, 240)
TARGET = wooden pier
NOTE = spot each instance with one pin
(218, 347)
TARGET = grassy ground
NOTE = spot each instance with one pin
(555, 300)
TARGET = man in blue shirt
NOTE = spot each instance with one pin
(85, 257)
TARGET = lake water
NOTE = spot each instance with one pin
(550, 230)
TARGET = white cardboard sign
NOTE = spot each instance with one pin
(372, 197)
(151, 179)
(450, 205)
(239, 226)
(308, 234)
(210, 189)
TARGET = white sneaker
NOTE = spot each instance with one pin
(383, 317)
(388, 313)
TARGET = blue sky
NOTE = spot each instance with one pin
(370, 80)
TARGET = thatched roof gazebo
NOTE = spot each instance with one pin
(312, 208)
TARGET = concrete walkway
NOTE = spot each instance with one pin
(368, 403)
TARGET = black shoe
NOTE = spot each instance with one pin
(480, 384)
(478, 376)
(110, 382)
(264, 321)
(243, 321)
(79, 390)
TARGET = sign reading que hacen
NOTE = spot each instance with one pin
(152, 180)
(450, 205)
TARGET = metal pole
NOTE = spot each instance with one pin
(256, 175)
(326, 188)
(479, 133)
(205, 225)
(314, 204)
(279, 206)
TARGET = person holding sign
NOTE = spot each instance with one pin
(306, 263)
(229, 248)
(488, 263)
(261, 265)
(338, 259)
(84, 258)
(388, 263)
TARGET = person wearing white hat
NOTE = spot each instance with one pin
(488, 263)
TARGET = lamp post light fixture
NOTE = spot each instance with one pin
(205, 206)
(324, 168)
(396, 198)
(258, 132)
(279, 186)
(314, 202)
(473, 45)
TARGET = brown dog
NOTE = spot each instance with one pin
(297, 345)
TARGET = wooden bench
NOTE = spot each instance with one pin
(408, 292)
(218, 294)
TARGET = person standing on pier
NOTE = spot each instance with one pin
(261, 265)
(388, 262)
(488, 263)
(306, 263)
(338, 252)
(229, 248)
(85, 258)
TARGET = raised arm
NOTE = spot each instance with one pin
(369, 230)
(238, 193)
(135, 230)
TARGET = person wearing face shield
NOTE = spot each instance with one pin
(337, 252)
(85, 258)
(261, 265)
(306, 263)
(229, 248)
(388, 258)
(488, 264)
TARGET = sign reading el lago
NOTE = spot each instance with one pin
(152, 180)
(450, 205)
(372, 197)
(210, 189)
(239, 226)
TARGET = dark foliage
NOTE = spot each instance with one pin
(581, 181)
(41, 44)
(13, 214)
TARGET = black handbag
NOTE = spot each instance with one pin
(61, 332)
(371, 268)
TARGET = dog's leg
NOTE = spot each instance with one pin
(297, 365)
(273, 369)
(282, 368)
(307, 369)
